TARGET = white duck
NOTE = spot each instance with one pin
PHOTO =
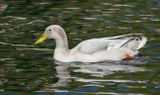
(93, 50)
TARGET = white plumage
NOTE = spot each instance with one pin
(94, 50)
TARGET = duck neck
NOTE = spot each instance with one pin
(62, 44)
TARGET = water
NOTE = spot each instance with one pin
(28, 69)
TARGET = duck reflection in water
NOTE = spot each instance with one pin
(97, 70)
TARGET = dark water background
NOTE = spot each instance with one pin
(25, 68)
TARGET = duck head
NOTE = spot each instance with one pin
(51, 32)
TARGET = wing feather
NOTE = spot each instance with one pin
(100, 44)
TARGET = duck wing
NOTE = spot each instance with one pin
(131, 41)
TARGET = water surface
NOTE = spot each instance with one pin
(25, 67)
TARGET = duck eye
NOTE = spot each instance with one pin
(49, 30)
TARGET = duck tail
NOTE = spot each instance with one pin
(143, 41)
(135, 42)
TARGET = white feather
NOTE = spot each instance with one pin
(97, 49)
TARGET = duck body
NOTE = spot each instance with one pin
(114, 48)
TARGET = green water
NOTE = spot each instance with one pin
(26, 69)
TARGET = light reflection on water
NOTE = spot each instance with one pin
(25, 67)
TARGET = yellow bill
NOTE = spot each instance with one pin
(41, 39)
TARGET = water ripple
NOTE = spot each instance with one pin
(122, 5)
(101, 80)
(14, 17)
